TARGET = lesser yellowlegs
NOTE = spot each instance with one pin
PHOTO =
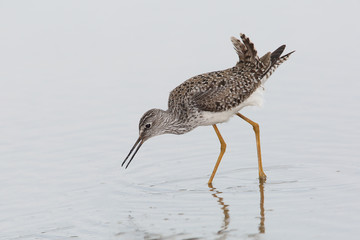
(214, 97)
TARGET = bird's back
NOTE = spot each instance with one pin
(224, 90)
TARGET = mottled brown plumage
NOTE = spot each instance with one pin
(223, 90)
(211, 98)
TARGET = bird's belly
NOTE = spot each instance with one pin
(210, 118)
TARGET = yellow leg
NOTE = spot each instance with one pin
(256, 128)
(222, 151)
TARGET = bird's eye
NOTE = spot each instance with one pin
(148, 125)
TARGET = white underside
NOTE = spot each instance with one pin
(255, 99)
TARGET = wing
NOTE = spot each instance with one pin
(225, 92)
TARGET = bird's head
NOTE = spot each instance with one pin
(154, 122)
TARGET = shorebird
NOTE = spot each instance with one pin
(214, 97)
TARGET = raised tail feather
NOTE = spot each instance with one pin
(276, 60)
(277, 53)
(245, 50)
(248, 55)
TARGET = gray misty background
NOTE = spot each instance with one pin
(76, 76)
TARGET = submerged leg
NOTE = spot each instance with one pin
(256, 128)
(222, 151)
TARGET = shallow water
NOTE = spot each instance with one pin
(77, 77)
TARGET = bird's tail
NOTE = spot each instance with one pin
(248, 55)
(275, 60)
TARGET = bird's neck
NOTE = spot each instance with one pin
(174, 124)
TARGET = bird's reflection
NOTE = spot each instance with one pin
(225, 208)
(262, 209)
